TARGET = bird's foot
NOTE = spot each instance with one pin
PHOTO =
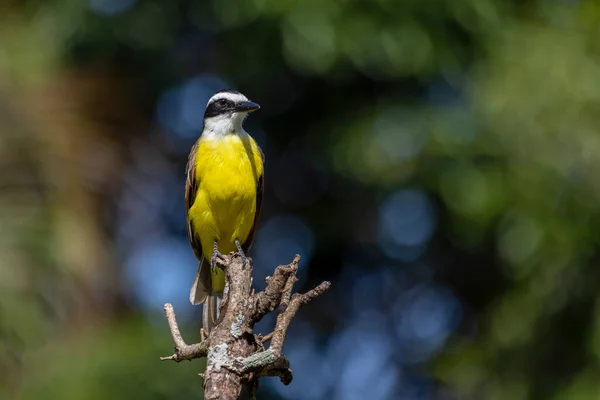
(215, 255)
(213, 259)
(240, 251)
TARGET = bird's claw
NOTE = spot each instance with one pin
(213, 259)
(240, 251)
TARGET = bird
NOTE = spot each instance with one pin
(223, 195)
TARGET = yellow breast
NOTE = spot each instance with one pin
(227, 172)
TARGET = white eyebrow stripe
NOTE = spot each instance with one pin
(235, 97)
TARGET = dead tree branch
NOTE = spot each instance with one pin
(183, 351)
(236, 357)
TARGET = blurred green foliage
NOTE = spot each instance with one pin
(511, 152)
(113, 362)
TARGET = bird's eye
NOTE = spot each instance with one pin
(222, 102)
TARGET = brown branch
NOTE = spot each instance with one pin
(236, 357)
(183, 351)
(266, 338)
(285, 316)
(270, 297)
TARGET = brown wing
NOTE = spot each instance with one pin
(259, 195)
(191, 188)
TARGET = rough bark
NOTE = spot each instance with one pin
(236, 357)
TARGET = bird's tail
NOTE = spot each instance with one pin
(211, 310)
(202, 283)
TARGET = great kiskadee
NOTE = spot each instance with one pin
(223, 195)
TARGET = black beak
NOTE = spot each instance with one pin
(246, 106)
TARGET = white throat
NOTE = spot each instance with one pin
(224, 124)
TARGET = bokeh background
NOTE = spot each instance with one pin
(438, 161)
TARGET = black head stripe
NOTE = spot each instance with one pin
(222, 102)
(219, 106)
